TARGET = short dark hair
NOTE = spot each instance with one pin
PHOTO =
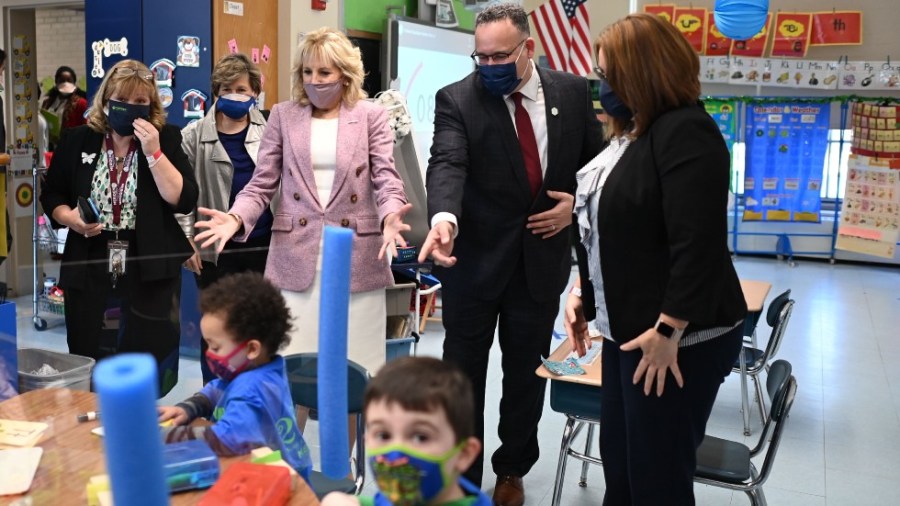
(498, 12)
(252, 309)
(424, 384)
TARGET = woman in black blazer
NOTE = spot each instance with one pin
(655, 270)
(126, 260)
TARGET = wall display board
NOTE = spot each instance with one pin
(724, 113)
(870, 214)
(786, 144)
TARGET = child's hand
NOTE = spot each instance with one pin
(340, 499)
(177, 415)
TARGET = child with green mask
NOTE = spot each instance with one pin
(419, 436)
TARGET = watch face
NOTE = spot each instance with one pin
(665, 329)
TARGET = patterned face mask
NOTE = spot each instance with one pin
(407, 477)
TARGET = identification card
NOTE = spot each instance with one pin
(118, 253)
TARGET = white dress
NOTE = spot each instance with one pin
(366, 324)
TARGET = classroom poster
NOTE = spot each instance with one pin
(691, 23)
(785, 156)
(876, 129)
(717, 44)
(837, 28)
(756, 46)
(665, 11)
(870, 213)
(723, 112)
(792, 34)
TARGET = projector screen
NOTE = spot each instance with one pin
(419, 60)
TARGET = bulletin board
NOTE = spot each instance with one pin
(250, 27)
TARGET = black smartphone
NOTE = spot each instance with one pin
(88, 211)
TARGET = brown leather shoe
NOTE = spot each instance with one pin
(509, 491)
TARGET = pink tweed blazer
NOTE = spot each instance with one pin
(366, 189)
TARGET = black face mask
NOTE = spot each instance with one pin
(121, 116)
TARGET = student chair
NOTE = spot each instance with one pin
(751, 360)
(727, 464)
(302, 370)
(581, 405)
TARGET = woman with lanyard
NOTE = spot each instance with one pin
(124, 168)
(223, 149)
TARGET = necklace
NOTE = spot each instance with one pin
(120, 159)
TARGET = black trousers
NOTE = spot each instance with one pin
(236, 257)
(134, 316)
(524, 327)
(649, 444)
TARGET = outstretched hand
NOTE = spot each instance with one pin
(220, 227)
(576, 325)
(439, 245)
(393, 226)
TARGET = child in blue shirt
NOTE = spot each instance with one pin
(245, 322)
(419, 437)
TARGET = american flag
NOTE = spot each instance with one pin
(565, 32)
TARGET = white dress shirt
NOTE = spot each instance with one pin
(533, 101)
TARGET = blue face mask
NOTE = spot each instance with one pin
(121, 116)
(612, 104)
(406, 477)
(500, 79)
(231, 106)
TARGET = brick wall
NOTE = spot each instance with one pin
(60, 40)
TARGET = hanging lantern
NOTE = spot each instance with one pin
(740, 19)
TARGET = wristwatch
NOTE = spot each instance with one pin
(669, 331)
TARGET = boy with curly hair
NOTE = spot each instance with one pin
(245, 322)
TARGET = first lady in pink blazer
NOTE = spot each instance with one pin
(327, 154)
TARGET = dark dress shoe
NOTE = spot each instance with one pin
(509, 491)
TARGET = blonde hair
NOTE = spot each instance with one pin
(115, 83)
(230, 68)
(330, 47)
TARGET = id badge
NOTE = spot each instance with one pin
(118, 253)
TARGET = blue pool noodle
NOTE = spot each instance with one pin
(332, 370)
(127, 387)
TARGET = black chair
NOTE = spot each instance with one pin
(727, 464)
(581, 405)
(752, 360)
(302, 371)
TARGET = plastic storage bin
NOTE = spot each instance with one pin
(74, 370)
(398, 347)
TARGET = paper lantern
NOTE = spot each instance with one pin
(740, 19)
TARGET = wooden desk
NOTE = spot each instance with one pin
(755, 293)
(594, 370)
(72, 454)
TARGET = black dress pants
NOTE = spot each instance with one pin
(524, 327)
(649, 444)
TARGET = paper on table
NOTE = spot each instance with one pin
(19, 466)
(592, 353)
(20, 433)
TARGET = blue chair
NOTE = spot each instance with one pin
(752, 361)
(302, 373)
(727, 464)
(581, 405)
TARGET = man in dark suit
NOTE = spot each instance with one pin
(508, 140)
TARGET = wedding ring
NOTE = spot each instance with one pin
(85, 235)
(552, 227)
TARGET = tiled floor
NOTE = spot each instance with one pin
(842, 445)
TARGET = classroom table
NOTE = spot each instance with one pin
(755, 293)
(72, 454)
(593, 372)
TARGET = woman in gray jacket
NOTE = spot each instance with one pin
(223, 149)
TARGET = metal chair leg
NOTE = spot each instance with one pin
(568, 435)
(762, 400)
(587, 451)
(745, 402)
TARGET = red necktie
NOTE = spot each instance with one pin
(528, 142)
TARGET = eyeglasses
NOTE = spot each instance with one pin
(485, 59)
(601, 74)
(128, 71)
